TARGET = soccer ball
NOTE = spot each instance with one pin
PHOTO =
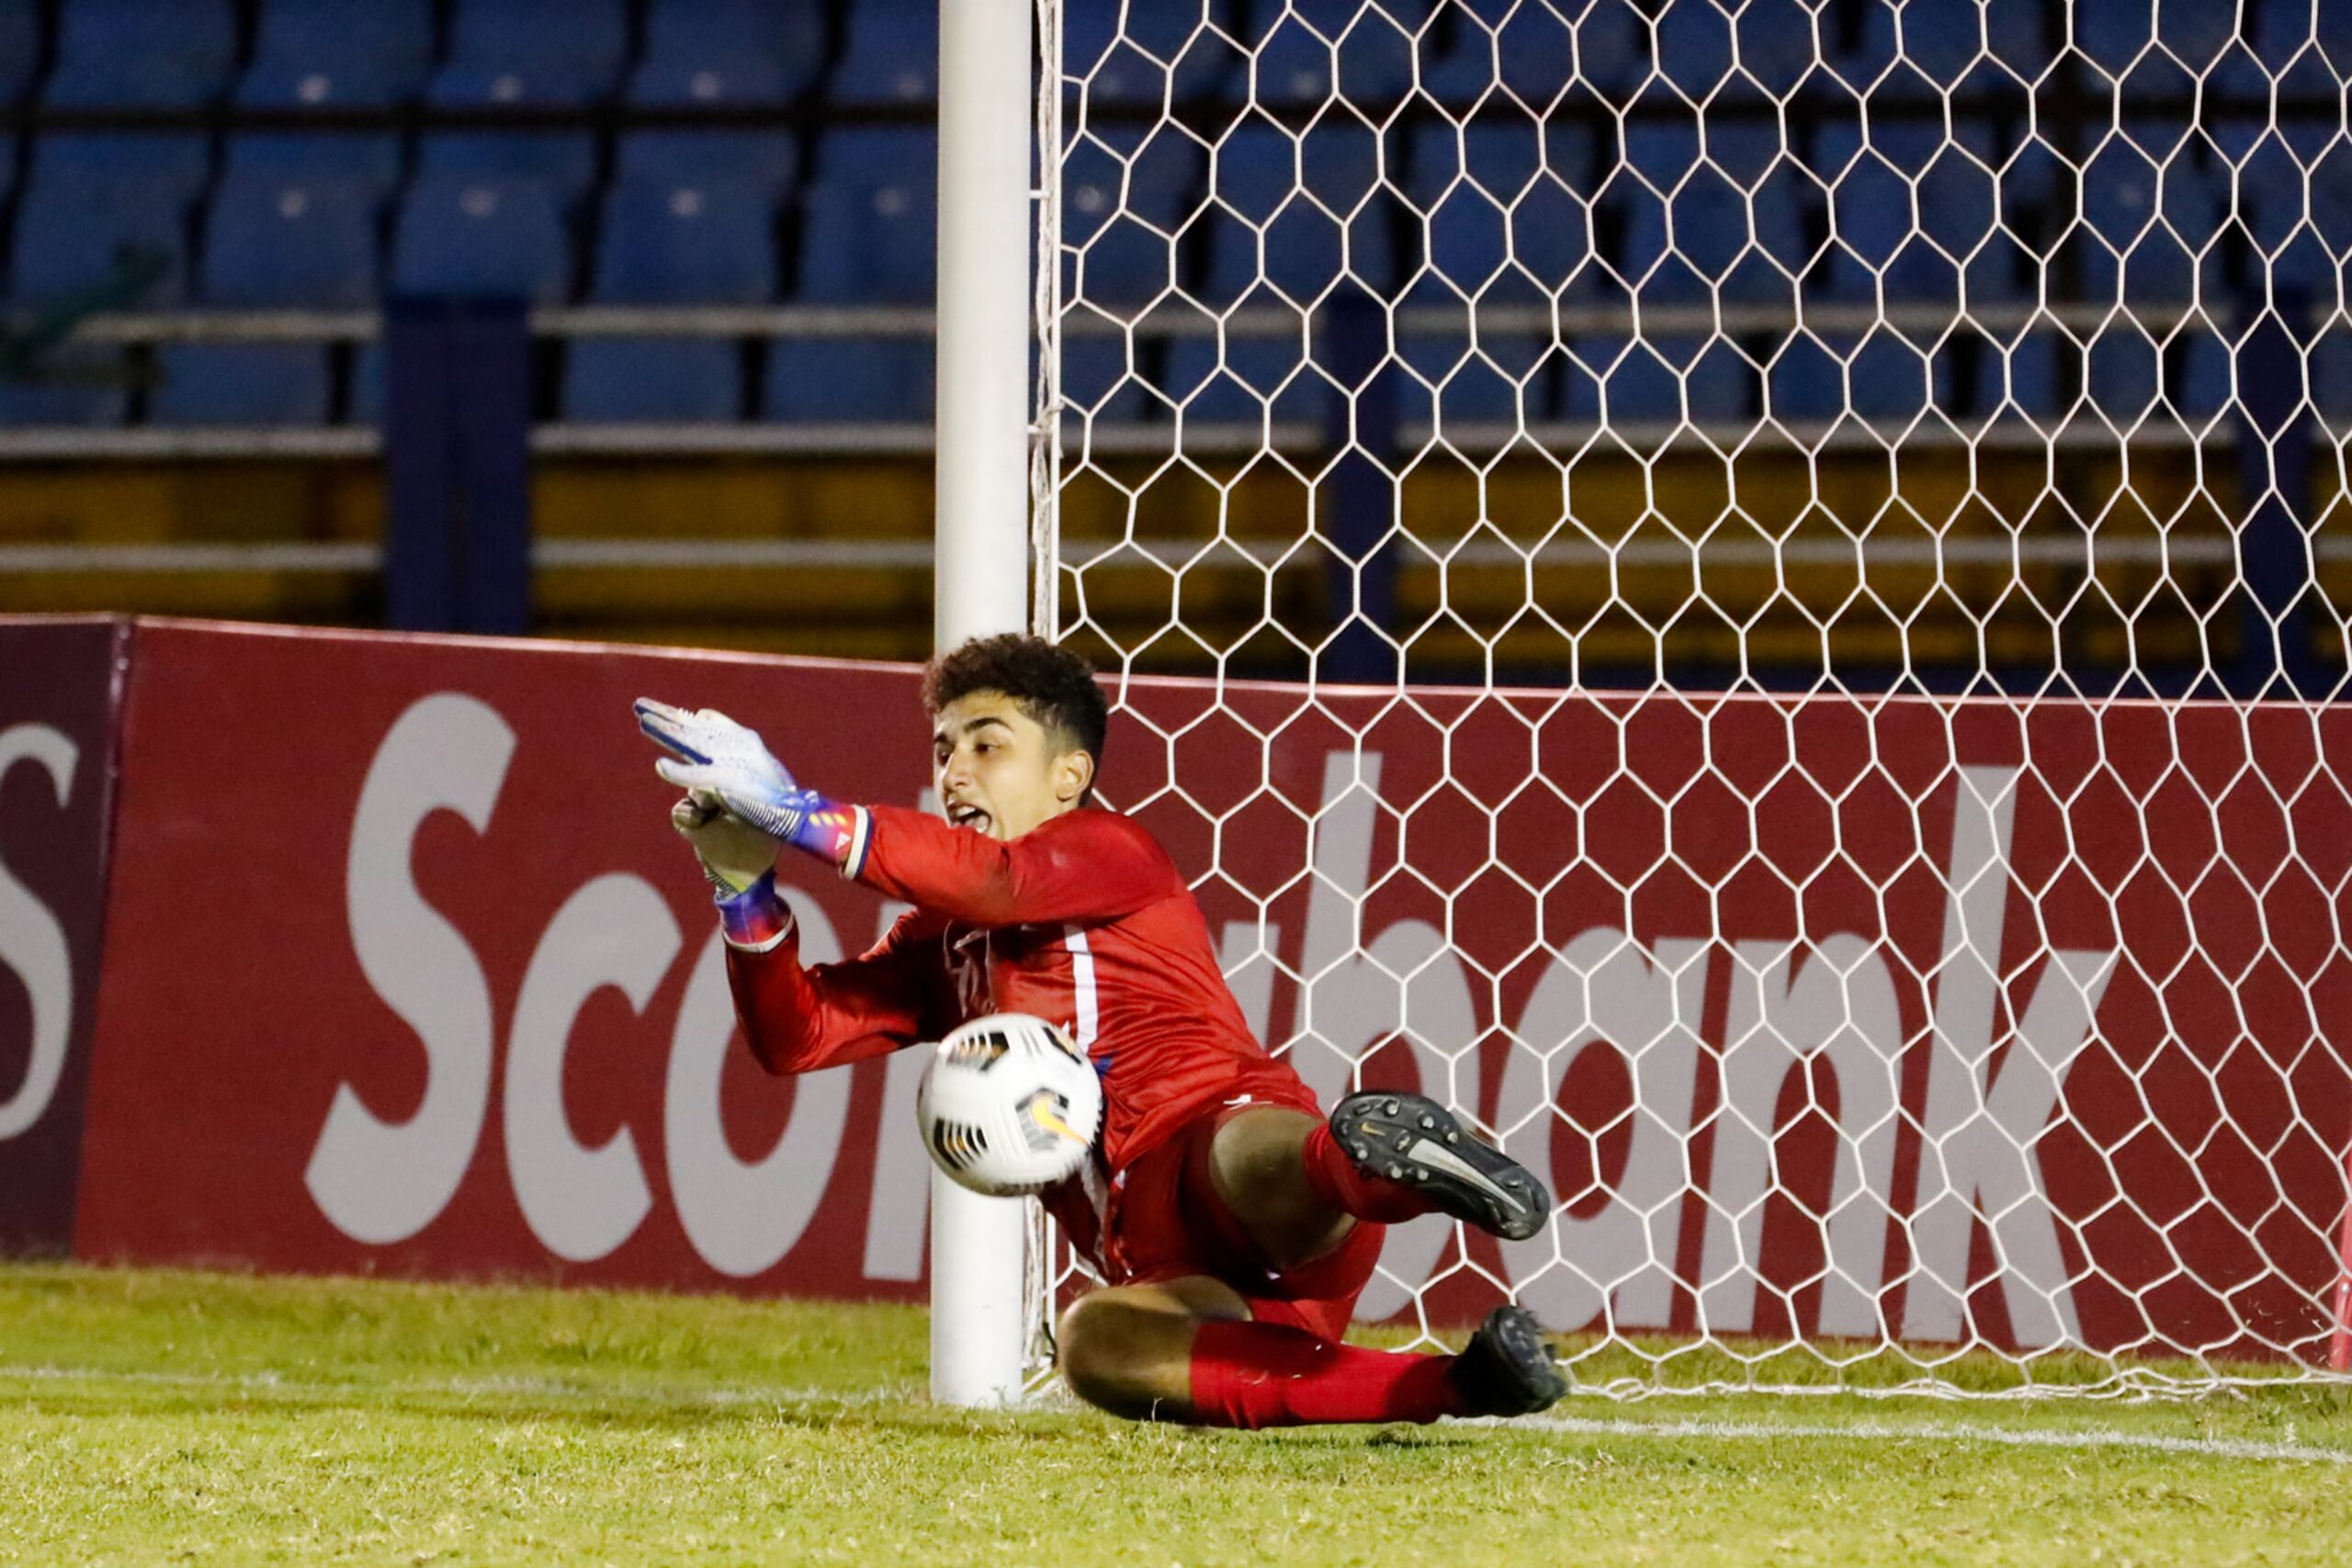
(1009, 1105)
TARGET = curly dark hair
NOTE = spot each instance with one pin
(1052, 685)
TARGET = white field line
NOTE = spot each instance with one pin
(1938, 1432)
(1575, 1426)
(466, 1388)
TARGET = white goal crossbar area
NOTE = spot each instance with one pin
(1753, 594)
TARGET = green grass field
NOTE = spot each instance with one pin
(168, 1418)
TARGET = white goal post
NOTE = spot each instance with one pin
(1753, 593)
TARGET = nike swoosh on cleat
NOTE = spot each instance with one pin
(1445, 1159)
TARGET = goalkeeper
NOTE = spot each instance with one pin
(1234, 1224)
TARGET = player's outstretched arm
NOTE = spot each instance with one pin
(739, 808)
(1083, 866)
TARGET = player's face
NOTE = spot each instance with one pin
(998, 771)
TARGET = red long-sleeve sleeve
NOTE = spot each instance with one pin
(798, 1019)
(1086, 865)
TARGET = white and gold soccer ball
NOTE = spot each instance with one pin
(1009, 1105)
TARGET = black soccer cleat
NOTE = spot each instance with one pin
(1506, 1370)
(1413, 1140)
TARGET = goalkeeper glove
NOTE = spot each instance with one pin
(734, 854)
(719, 761)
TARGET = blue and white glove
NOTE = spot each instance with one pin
(721, 764)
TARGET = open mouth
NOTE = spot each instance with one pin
(970, 816)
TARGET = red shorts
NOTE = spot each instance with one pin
(1164, 1220)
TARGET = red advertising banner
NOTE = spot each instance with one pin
(57, 700)
(1943, 1020)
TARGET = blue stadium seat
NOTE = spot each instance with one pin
(709, 242)
(2280, 31)
(1945, 43)
(782, 37)
(869, 223)
(765, 158)
(242, 383)
(2142, 224)
(481, 239)
(160, 166)
(563, 160)
(1725, 243)
(2020, 375)
(1191, 40)
(276, 243)
(892, 55)
(368, 160)
(1125, 198)
(19, 47)
(1238, 382)
(1316, 202)
(1649, 380)
(1300, 50)
(1101, 379)
(1885, 380)
(868, 235)
(182, 55)
(852, 380)
(1881, 229)
(672, 244)
(1514, 218)
(71, 237)
(331, 51)
(1535, 51)
(554, 51)
(272, 244)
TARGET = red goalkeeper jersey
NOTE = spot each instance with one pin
(1084, 921)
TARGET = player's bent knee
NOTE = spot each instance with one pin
(1121, 1358)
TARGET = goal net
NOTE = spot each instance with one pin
(1751, 593)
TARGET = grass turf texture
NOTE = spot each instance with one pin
(152, 1418)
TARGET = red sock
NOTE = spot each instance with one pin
(1267, 1374)
(1352, 1191)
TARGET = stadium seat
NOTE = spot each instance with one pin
(1101, 379)
(852, 380)
(681, 245)
(1883, 379)
(1946, 43)
(563, 160)
(1243, 379)
(183, 56)
(290, 244)
(2141, 224)
(19, 47)
(1516, 218)
(1533, 52)
(481, 239)
(72, 237)
(767, 158)
(710, 244)
(1886, 234)
(1195, 41)
(1315, 49)
(1316, 201)
(271, 243)
(368, 159)
(331, 51)
(543, 51)
(240, 383)
(166, 166)
(1713, 221)
(1125, 199)
(869, 222)
(786, 38)
(892, 55)
(1646, 381)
